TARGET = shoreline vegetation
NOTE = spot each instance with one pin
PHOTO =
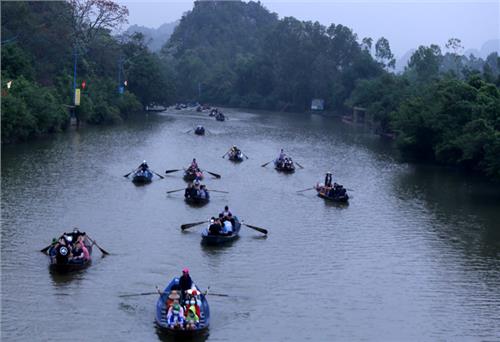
(444, 108)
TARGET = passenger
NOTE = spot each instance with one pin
(226, 211)
(185, 282)
(86, 254)
(187, 192)
(194, 301)
(328, 180)
(192, 319)
(77, 252)
(175, 317)
(221, 219)
(63, 251)
(144, 166)
(228, 227)
(203, 192)
(173, 298)
(53, 247)
(231, 219)
(214, 227)
(282, 155)
(194, 165)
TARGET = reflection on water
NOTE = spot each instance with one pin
(414, 256)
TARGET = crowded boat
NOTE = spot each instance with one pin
(70, 251)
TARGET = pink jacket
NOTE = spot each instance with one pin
(86, 254)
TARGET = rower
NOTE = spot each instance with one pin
(328, 179)
(144, 166)
(282, 155)
(194, 165)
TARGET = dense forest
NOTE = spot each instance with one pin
(444, 108)
(42, 42)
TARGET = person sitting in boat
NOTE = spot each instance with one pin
(215, 226)
(194, 165)
(328, 180)
(185, 283)
(192, 318)
(227, 228)
(193, 300)
(86, 254)
(203, 192)
(226, 212)
(77, 253)
(143, 167)
(282, 155)
(63, 251)
(175, 317)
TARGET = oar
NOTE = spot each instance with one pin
(95, 243)
(224, 192)
(299, 165)
(139, 294)
(44, 250)
(189, 130)
(128, 174)
(157, 174)
(225, 154)
(213, 174)
(245, 155)
(169, 192)
(170, 171)
(306, 189)
(189, 225)
(214, 294)
(262, 230)
(264, 165)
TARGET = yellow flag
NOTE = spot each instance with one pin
(77, 97)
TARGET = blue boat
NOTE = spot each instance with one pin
(219, 239)
(142, 177)
(162, 310)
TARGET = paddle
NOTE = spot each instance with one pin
(158, 292)
(157, 174)
(189, 130)
(224, 192)
(225, 154)
(264, 165)
(169, 192)
(95, 243)
(306, 189)
(44, 250)
(139, 294)
(261, 230)
(245, 155)
(214, 294)
(213, 174)
(299, 165)
(190, 225)
(170, 171)
(128, 174)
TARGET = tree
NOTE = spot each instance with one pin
(383, 53)
(425, 62)
(367, 44)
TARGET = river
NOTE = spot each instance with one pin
(414, 256)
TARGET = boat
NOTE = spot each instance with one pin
(194, 196)
(210, 239)
(59, 261)
(213, 112)
(220, 117)
(236, 156)
(339, 196)
(199, 130)
(190, 175)
(142, 177)
(282, 166)
(161, 314)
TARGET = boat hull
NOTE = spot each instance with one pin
(69, 266)
(142, 177)
(337, 199)
(236, 157)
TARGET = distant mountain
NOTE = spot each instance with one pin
(490, 46)
(155, 38)
(402, 61)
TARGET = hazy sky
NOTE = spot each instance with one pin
(406, 23)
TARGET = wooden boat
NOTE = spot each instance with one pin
(193, 197)
(59, 262)
(284, 167)
(199, 130)
(213, 112)
(324, 193)
(142, 177)
(190, 175)
(220, 117)
(210, 239)
(236, 156)
(162, 310)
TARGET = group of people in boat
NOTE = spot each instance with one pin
(183, 304)
(196, 190)
(234, 151)
(222, 225)
(331, 190)
(69, 248)
(284, 161)
(194, 168)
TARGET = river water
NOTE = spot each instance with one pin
(415, 255)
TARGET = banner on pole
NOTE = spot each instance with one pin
(77, 97)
